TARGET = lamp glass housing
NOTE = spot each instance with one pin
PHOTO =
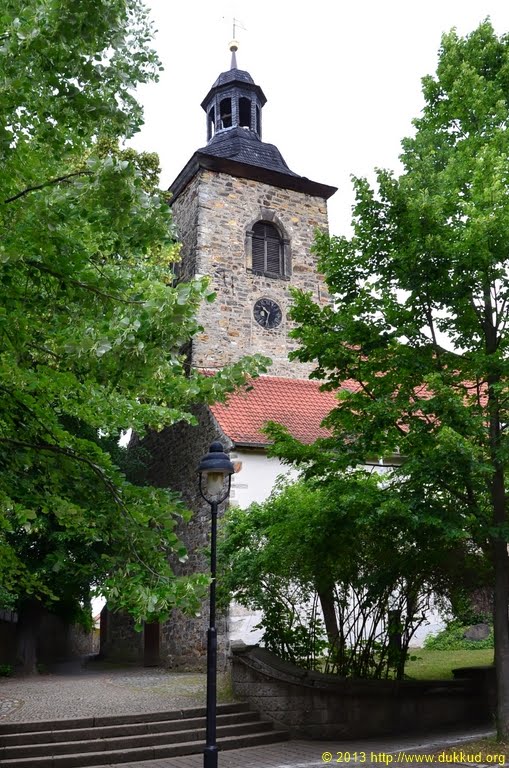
(215, 482)
(215, 466)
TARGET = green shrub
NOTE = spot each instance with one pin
(6, 670)
(452, 639)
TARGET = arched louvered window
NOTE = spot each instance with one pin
(267, 250)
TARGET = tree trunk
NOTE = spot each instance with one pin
(500, 556)
(500, 608)
(29, 621)
(326, 597)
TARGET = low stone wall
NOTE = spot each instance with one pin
(81, 642)
(485, 681)
(312, 705)
(56, 640)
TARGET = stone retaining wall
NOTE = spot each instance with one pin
(317, 706)
(120, 641)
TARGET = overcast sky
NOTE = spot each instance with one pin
(342, 79)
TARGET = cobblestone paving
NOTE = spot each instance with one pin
(99, 692)
(7, 706)
(290, 754)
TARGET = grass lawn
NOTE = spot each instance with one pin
(438, 665)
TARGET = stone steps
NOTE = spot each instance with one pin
(100, 741)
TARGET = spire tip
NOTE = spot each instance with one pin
(234, 47)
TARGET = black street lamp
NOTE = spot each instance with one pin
(215, 467)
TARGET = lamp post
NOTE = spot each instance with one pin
(214, 467)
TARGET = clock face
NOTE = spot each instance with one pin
(267, 313)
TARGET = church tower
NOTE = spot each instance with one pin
(248, 221)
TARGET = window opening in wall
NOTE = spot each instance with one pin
(258, 126)
(225, 113)
(267, 249)
(245, 112)
(211, 125)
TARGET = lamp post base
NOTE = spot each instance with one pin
(210, 757)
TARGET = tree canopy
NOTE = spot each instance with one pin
(92, 325)
(353, 545)
(420, 320)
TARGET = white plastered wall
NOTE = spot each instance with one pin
(253, 481)
(255, 477)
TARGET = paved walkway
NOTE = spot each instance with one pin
(72, 691)
(307, 754)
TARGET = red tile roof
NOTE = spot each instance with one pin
(298, 404)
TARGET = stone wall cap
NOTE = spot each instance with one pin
(271, 666)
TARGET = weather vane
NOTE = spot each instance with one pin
(234, 46)
(237, 23)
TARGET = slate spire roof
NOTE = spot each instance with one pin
(244, 146)
(233, 107)
(230, 76)
(242, 139)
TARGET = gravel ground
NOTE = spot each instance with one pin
(77, 692)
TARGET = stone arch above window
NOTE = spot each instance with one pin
(267, 250)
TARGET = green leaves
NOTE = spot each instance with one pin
(91, 326)
(418, 335)
(362, 547)
(417, 341)
(84, 61)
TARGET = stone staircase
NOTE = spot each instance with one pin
(101, 741)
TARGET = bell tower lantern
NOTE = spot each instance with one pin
(234, 101)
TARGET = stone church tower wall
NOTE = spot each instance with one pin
(212, 217)
(175, 454)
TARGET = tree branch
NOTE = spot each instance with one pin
(431, 326)
(50, 183)
(99, 472)
(28, 409)
(45, 350)
(79, 284)
(61, 450)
